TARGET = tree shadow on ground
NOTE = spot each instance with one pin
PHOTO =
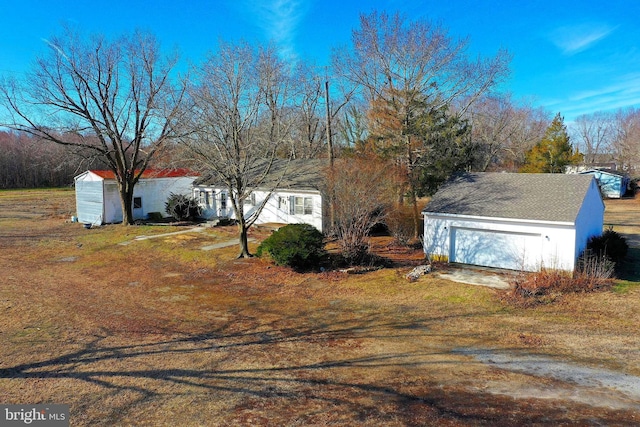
(252, 362)
(629, 268)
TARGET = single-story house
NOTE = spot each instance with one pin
(612, 184)
(98, 198)
(514, 221)
(292, 194)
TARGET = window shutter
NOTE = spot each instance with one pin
(292, 205)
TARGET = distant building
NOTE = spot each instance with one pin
(613, 185)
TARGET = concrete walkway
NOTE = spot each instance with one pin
(190, 230)
(475, 277)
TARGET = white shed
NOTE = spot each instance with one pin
(98, 199)
(513, 221)
(292, 192)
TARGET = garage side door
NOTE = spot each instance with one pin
(514, 251)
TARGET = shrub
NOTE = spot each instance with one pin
(400, 224)
(592, 274)
(299, 246)
(182, 207)
(610, 244)
(154, 216)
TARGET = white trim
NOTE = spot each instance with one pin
(493, 219)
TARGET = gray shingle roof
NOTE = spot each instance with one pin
(299, 174)
(530, 196)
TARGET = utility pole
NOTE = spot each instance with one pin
(332, 207)
(328, 109)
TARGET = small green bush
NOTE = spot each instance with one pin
(182, 207)
(609, 244)
(299, 246)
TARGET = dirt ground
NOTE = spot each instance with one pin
(161, 332)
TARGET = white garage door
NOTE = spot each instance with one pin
(514, 251)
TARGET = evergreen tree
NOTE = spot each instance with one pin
(553, 152)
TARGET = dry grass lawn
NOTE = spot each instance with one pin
(159, 332)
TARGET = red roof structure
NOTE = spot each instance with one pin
(151, 173)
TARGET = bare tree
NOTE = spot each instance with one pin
(390, 56)
(116, 98)
(239, 123)
(504, 130)
(626, 142)
(310, 127)
(594, 133)
(407, 73)
(362, 193)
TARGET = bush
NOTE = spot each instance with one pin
(593, 273)
(400, 224)
(182, 207)
(609, 244)
(299, 246)
(544, 287)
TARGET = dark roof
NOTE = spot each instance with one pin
(298, 174)
(530, 196)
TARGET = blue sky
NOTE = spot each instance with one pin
(572, 57)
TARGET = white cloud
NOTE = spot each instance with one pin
(577, 38)
(279, 20)
(622, 92)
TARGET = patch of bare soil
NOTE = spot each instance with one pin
(159, 332)
(591, 386)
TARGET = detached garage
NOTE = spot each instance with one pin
(513, 221)
(98, 199)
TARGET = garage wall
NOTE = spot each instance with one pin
(590, 218)
(549, 245)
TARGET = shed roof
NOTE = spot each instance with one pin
(297, 174)
(604, 172)
(151, 173)
(529, 196)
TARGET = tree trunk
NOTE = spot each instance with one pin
(126, 201)
(243, 240)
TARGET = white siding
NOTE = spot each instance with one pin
(154, 193)
(112, 203)
(277, 208)
(590, 218)
(98, 199)
(555, 247)
(89, 200)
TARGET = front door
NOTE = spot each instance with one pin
(223, 205)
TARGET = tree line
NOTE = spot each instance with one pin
(404, 95)
(27, 161)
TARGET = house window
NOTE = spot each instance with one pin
(251, 200)
(303, 205)
(208, 199)
(282, 203)
(308, 206)
(201, 197)
(137, 203)
(223, 200)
